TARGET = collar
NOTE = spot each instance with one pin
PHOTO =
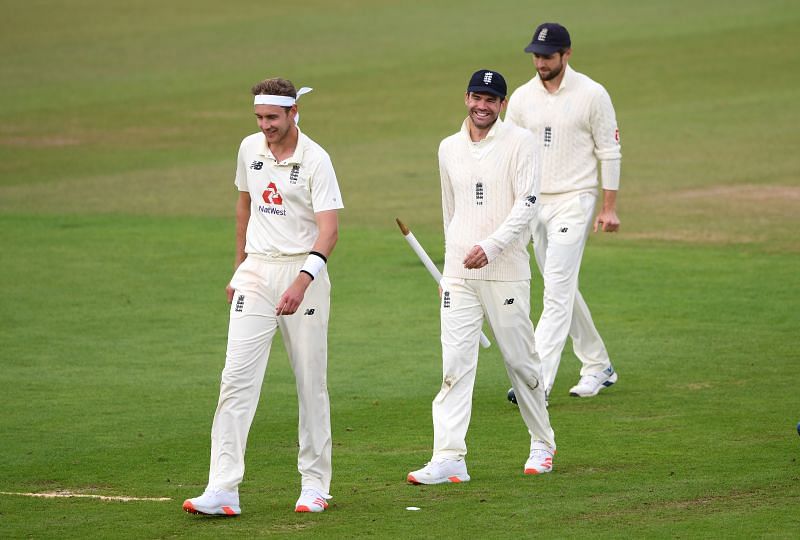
(493, 131)
(569, 74)
(295, 159)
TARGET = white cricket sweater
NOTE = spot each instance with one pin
(488, 193)
(573, 127)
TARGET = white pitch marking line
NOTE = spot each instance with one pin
(69, 494)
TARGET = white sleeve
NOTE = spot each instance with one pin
(526, 191)
(241, 170)
(325, 194)
(609, 173)
(606, 139)
(448, 200)
(513, 110)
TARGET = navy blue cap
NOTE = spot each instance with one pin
(548, 39)
(486, 81)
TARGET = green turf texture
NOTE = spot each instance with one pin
(119, 125)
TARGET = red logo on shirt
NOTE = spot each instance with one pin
(616, 134)
(271, 195)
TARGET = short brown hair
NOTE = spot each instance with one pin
(275, 87)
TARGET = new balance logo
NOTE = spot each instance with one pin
(309, 312)
(563, 229)
(240, 303)
(446, 299)
(479, 194)
(487, 77)
(508, 302)
(271, 195)
(548, 136)
(542, 35)
(257, 165)
(295, 174)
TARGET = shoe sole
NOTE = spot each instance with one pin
(450, 479)
(537, 471)
(227, 511)
(611, 380)
(303, 508)
(548, 462)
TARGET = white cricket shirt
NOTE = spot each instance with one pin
(573, 127)
(285, 195)
(488, 193)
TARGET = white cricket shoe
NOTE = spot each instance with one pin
(590, 385)
(540, 460)
(311, 500)
(440, 471)
(214, 502)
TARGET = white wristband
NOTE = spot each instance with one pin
(314, 263)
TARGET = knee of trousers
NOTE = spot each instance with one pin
(451, 382)
(528, 373)
(557, 303)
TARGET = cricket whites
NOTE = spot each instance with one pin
(426, 260)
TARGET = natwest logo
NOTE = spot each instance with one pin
(271, 195)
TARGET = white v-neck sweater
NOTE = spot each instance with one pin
(489, 189)
(574, 128)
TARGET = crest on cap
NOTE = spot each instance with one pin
(549, 38)
(486, 81)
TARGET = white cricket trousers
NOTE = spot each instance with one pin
(259, 283)
(559, 232)
(506, 305)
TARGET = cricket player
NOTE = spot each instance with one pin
(489, 181)
(286, 228)
(576, 135)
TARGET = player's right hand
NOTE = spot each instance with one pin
(229, 291)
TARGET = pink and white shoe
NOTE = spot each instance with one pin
(214, 502)
(311, 500)
(440, 471)
(540, 460)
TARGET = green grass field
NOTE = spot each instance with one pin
(119, 125)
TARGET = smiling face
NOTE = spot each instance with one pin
(275, 122)
(483, 109)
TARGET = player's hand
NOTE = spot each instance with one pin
(293, 297)
(476, 258)
(229, 291)
(606, 221)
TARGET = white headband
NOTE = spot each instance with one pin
(280, 101)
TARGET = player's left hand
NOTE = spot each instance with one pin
(606, 221)
(476, 258)
(293, 297)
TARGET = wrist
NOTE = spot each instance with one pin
(304, 278)
(490, 249)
